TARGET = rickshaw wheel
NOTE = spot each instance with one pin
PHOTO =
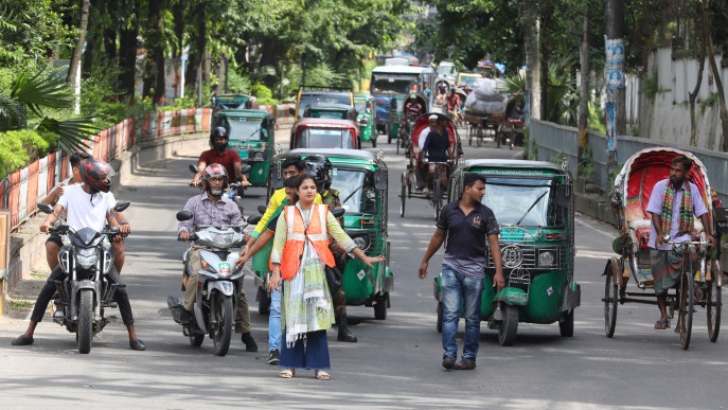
(263, 302)
(509, 326)
(403, 195)
(685, 314)
(497, 137)
(715, 305)
(566, 326)
(611, 300)
(398, 144)
(440, 315)
(436, 196)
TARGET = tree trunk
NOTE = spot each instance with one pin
(178, 14)
(198, 39)
(692, 96)
(78, 50)
(718, 80)
(584, 91)
(127, 57)
(87, 64)
(154, 59)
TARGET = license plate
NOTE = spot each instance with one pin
(224, 268)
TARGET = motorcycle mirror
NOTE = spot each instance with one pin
(121, 206)
(193, 168)
(381, 179)
(253, 220)
(291, 110)
(184, 216)
(338, 212)
(261, 209)
(45, 208)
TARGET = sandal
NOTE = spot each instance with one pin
(662, 324)
(322, 375)
(287, 373)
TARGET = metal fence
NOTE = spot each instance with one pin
(551, 141)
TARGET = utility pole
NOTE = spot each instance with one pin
(584, 90)
(614, 72)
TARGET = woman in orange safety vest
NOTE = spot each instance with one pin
(300, 252)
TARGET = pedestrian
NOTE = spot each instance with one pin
(672, 205)
(300, 252)
(466, 223)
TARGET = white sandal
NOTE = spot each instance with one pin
(287, 373)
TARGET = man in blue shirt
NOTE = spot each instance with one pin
(466, 223)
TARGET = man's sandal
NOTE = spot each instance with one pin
(662, 324)
(287, 373)
(322, 375)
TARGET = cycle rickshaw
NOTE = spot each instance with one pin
(411, 177)
(633, 189)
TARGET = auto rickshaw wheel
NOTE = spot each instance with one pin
(440, 316)
(497, 137)
(380, 307)
(611, 300)
(685, 309)
(566, 326)
(509, 325)
(263, 301)
(715, 305)
(374, 142)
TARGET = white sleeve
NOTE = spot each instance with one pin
(111, 201)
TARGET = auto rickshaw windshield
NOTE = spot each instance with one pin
(326, 138)
(386, 83)
(468, 80)
(328, 98)
(355, 191)
(523, 202)
(246, 129)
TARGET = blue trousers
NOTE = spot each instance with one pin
(311, 353)
(274, 321)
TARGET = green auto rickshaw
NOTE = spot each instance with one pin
(364, 104)
(396, 117)
(361, 178)
(533, 203)
(251, 135)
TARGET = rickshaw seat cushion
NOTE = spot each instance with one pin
(639, 225)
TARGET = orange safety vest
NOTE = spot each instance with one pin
(296, 235)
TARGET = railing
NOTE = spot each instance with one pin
(552, 140)
(20, 191)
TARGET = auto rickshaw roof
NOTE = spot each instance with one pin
(511, 164)
(326, 123)
(245, 113)
(329, 107)
(401, 69)
(330, 153)
(233, 98)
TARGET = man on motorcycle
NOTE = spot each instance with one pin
(88, 205)
(212, 208)
(413, 107)
(221, 154)
(319, 166)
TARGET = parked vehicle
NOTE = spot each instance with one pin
(330, 111)
(401, 79)
(366, 118)
(308, 95)
(85, 293)
(325, 133)
(533, 203)
(361, 178)
(219, 285)
(251, 135)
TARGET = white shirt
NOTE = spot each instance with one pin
(423, 136)
(85, 211)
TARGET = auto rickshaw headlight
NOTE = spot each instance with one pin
(258, 156)
(546, 259)
(362, 242)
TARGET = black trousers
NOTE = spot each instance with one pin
(46, 294)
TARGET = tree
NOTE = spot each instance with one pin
(78, 50)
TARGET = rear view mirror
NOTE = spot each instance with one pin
(45, 208)
(184, 216)
(261, 209)
(338, 212)
(121, 206)
(381, 179)
(253, 220)
(193, 168)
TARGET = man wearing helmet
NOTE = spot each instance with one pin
(413, 107)
(319, 166)
(87, 205)
(221, 154)
(212, 208)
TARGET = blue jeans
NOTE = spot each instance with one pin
(459, 289)
(274, 321)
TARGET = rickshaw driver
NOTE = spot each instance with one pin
(221, 154)
(672, 205)
(453, 106)
(466, 223)
(437, 147)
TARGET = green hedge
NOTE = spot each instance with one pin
(17, 148)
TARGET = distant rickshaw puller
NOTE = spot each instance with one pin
(672, 205)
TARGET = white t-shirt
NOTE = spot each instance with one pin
(423, 136)
(85, 211)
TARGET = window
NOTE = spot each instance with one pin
(528, 202)
(326, 138)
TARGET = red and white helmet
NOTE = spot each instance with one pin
(96, 174)
(213, 171)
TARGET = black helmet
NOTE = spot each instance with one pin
(319, 166)
(216, 133)
(96, 174)
(212, 171)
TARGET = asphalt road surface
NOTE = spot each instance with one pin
(395, 364)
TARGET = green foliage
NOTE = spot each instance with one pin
(711, 101)
(13, 154)
(238, 84)
(594, 121)
(179, 104)
(559, 158)
(587, 169)
(263, 94)
(651, 86)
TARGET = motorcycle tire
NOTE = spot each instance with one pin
(196, 340)
(509, 326)
(221, 323)
(85, 330)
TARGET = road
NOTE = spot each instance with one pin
(395, 364)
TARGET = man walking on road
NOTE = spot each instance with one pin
(466, 223)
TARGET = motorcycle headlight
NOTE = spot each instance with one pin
(86, 258)
(546, 259)
(222, 240)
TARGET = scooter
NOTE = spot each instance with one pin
(218, 289)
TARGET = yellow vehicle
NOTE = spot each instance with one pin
(308, 95)
(466, 81)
